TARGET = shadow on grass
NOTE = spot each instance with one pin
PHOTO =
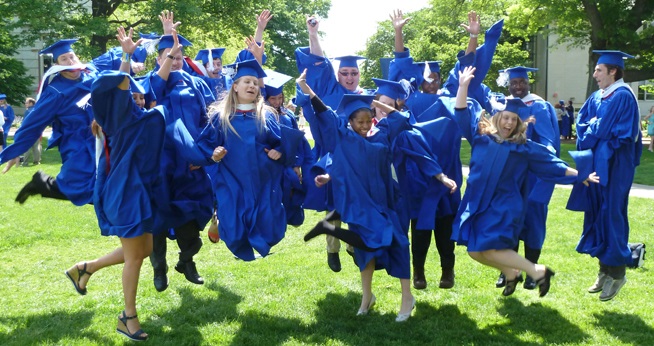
(50, 328)
(541, 320)
(630, 329)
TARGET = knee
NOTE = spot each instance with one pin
(477, 256)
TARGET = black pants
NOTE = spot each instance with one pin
(188, 241)
(530, 254)
(616, 272)
(421, 240)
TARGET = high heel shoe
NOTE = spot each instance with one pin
(511, 285)
(122, 328)
(403, 317)
(362, 312)
(544, 282)
(74, 274)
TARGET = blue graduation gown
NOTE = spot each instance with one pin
(247, 184)
(494, 205)
(9, 114)
(65, 105)
(128, 195)
(363, 189)
(615, 140)
(185, 98)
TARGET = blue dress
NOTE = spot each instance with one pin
(246, 183)
(127, 197)
(185, 98)
(494, 206)
(615, 140)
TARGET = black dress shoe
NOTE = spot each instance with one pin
(501, 281)
(447, 279)
(544, 282)
(511, 285)
(530, 283)
(334, 261)
(190, 272)
(161, 279)
(37, 184)
(419, 280)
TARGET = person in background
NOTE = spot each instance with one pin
(565, 128)
(2, 131)
(570, 109)
(650, 128)
(36, 148)
(608, 129)
(9, 117)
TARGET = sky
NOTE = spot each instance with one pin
(341, 40)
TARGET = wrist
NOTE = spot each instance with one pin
(126, 57)
(474, 35)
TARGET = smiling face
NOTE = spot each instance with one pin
(361, 121)
(519, 87)
(69, 59)
(603, 76)
(217, 68)
(507, 123)
(139, 99)
(379, 113)
(178, 60)
(349, 77)
(246, 89)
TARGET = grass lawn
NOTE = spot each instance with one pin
(291, 297)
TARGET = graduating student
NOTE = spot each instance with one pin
(8, 117)
(609, 125)
(495, 204)
(544, 130)
(213, 64)
(185, 97)
(243, 141)
(330, 85)
(294, 182)
(64, 104)
(130, 135)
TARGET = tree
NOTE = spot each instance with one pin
(624, 25)
(14, 81)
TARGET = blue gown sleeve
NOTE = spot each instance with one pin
(402, 67)
(546, 166)
(321, 76)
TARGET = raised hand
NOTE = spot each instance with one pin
(167, 19)
(302, 83)
(466, 76)
(473, 27)
(398, 20)
(126, 42)
(176, 46)
(313, 25)
(263, 19)
(255, 48)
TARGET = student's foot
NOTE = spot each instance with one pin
(419, 280)
(334, 261)
(511, 285)
(406, 310)
(322, 227)
(127, 324)
(79, 277)
(447, 279)
(366, 306)
(544, 282)
(501, 281)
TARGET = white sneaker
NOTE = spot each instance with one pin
(611, 288)
(599, 283)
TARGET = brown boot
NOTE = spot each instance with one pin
(447, 278)
(419, 281)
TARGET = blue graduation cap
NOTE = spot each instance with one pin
(519, 72)
(349, 60)
(352, 102)
(111, 79)
(434, 66)
(612, 57)
(3, 96)
(203, 54)
(394, 90)
(150, 36)
(274, 82)
(167, 41)
(60, 47)
(515, 105)
(561, 102)
(246, 68)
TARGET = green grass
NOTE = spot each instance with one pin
(644, 172)
(291, 297)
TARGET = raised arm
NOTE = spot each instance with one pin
(169, 53)
(128, 46)
(262, 22)
(473, 28)
(465, 77)
(167, 19)
(398, 21)
(313, 26)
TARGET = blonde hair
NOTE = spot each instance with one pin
(225, 108)
(489, 127)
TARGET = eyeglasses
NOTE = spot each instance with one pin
(521, 82)
(345, 74)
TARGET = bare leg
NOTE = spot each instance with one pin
(509, 272)
(135, 250)
(511, 259)
(407, 297)
(366, 284)
(112, 258)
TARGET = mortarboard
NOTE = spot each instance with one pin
(111, 79)
(352, 102)
(514, 105)
(349, 60)
(612, 57)
(519, 72)
(434, 66)
(561, 102)
(167, 41)
(246, 68)
(3, 96)
(150, 36)
(58, 48)
(392, 89)
(274, 82)
(215, 53)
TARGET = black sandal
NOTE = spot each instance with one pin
(544, 282)
(138, 335)
(511, 285)
(74, 277)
